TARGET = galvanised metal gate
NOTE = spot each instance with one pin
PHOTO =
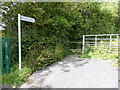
(109, 40)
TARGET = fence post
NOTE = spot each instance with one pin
(7, 54)
(1, 61)
(110, 42)
(83, 47)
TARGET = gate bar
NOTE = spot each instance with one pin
(103, 35)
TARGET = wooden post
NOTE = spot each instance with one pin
(83, 47)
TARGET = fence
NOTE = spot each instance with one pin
(4, 57)
(95, 40)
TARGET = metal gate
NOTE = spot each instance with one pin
(95, 40)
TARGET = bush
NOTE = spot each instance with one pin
(16, 78)
(59, 51)
(44, 56)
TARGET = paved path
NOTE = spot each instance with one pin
(73, 72)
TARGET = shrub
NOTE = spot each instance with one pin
(45, 55)
(16, 78)
(59, 51)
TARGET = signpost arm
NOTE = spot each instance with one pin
(19, 41)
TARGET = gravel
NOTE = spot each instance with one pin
(73, 72)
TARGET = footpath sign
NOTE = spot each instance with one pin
(23, 18)
(28, 19)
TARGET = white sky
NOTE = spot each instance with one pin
(1, 28)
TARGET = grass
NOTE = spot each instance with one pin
(16, 78)
(101, 52)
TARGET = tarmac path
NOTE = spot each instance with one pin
(73, 72)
